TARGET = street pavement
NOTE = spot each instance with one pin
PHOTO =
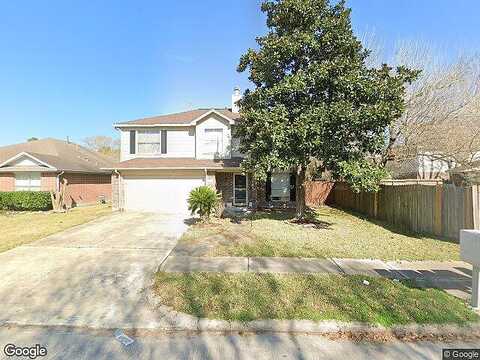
(86, 344)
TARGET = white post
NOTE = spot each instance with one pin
(475, 286)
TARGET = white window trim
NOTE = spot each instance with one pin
(246, 189)
(29, 187)
(222, 145)
(154, 154)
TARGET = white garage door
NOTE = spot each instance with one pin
(167, 194)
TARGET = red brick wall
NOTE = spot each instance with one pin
(224, 181)
(87, 188)
(7, 182)
(48, 181)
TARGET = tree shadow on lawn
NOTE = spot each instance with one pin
(308, 296)
(311, 220)
(396, 229)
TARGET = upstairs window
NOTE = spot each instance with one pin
(213, 141)
(27, 181)
(148, 142)
(164, 141)
(132, 142)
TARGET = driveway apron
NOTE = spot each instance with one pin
(93, 275)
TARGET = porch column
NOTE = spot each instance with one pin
(210, 179)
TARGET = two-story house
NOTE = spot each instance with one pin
(164, 157)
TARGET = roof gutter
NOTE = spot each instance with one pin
(174, 168)
(119, 126)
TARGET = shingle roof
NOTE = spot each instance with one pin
(59, 154)
(177, 163)
(181, 118)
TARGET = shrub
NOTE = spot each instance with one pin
(203, 201)
(25, 201)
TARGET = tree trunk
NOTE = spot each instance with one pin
(300, 193)
(58, 196)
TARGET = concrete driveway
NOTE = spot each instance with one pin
(92, 275)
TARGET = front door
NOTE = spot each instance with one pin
(239, 190)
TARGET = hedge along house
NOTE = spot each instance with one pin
(164, 157)
(41, 165)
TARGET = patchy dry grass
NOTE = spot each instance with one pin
(250, 296)
(18, 228)
(337, 234)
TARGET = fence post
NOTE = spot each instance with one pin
(470, 208)
(375, 204)
(437, 211)
(476, 207)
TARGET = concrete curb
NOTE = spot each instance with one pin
(184, 322)
(181, 322)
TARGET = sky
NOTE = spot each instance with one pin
(73, 68)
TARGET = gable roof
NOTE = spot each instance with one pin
(56, 154)
(185, 118)
(31, 156)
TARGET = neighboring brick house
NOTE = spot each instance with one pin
(40, 165)
(164, 157)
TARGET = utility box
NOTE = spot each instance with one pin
(470, 246)
(470, 252)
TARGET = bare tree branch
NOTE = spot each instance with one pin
(442, 116)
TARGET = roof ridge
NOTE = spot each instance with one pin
(171, 113)
(181, 118)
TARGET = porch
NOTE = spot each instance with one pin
(241, 190)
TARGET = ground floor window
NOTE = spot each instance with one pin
(280, 187)
(27, 181)
(239, 190)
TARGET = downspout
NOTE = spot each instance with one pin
(205, 170)
(116, 172)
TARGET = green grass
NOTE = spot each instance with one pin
(338, 234)
(246, 297)
(18, 228)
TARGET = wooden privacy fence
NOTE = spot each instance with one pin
(421, 207)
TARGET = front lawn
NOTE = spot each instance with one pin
(338, 234)
(248, 296)
(18, 228)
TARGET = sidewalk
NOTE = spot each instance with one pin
(452, 276)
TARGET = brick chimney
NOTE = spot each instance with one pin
(235, 97)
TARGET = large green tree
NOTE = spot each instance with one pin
(315, 97)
